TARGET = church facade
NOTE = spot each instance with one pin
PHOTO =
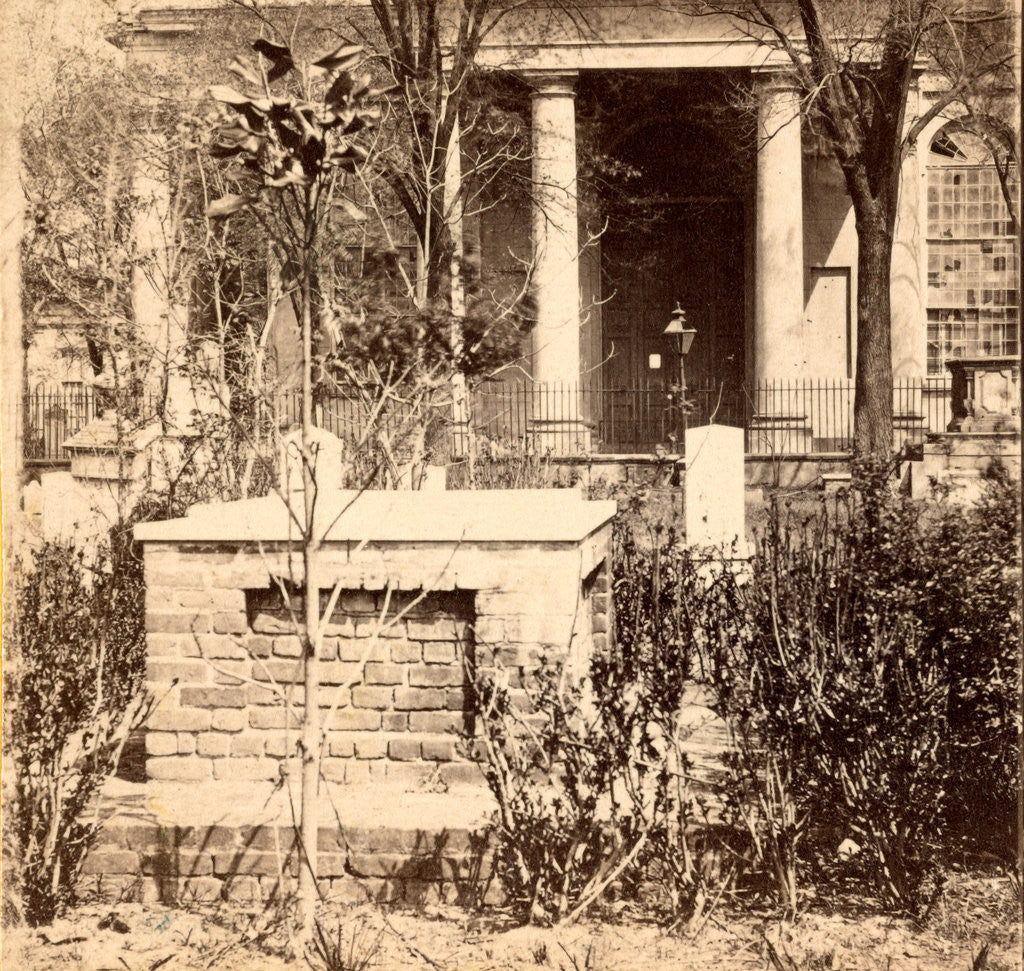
(752, 236)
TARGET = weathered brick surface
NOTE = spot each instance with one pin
(229, 720)
(404, 749)
(213, 744)
(253, 744)
(213, 697)
(172, 718)
(394, 667)
(439, 652)
(179, 769)
(147, 862)
(161, 743)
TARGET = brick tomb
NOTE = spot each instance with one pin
(427, 586)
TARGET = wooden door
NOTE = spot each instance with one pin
(695, 261)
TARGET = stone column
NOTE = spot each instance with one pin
(173, 392)
(160, 322)
(779, 259)
(556, 285)
(779, 345)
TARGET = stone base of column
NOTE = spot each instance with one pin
(560, 437)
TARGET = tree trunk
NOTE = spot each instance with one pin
(872, 408)
(310, 750)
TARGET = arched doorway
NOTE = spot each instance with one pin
(673, 213)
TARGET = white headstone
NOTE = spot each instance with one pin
(714, 486)
(328, 461)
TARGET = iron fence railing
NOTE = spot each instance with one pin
(50, 417)
(778, 417)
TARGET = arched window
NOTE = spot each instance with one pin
(973, 265)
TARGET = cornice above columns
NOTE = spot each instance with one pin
(780, 77)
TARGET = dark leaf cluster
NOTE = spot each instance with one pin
(287, 139)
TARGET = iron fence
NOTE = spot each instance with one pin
(778, 417)
(50, 417)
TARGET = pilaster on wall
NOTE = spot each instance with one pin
(909, 259)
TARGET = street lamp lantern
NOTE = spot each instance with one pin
(684, 340)
(677, 327)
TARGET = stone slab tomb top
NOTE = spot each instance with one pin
(498, 515)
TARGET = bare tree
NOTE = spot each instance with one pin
(855, 65)
(294, 139)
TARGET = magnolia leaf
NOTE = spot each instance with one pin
(348, 158)
(270, 50)
(246, 73)
(351, 209)
(303, 118)
(338, 92)
(345, 57)
(227, 94)
(278, 55)
(226, 205)
(234, 140)
(291, 176)
(226, 150)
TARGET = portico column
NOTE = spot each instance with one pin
(555, 233)
(781, 424)
(557, 424)
(779, 352)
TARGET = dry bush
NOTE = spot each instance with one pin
(867, 672)
(73, 676)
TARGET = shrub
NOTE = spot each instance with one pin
(866, 670)
(594, 788)
(75, 664)
(565, 827)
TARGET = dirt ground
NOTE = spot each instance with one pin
(975, 912)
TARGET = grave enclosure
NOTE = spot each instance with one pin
(431, 587)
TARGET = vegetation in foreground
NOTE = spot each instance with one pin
(863, 666)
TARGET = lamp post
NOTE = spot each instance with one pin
(684, 341)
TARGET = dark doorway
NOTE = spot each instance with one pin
(674, 215)
(697, 263)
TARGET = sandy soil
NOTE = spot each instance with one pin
(228, 938)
